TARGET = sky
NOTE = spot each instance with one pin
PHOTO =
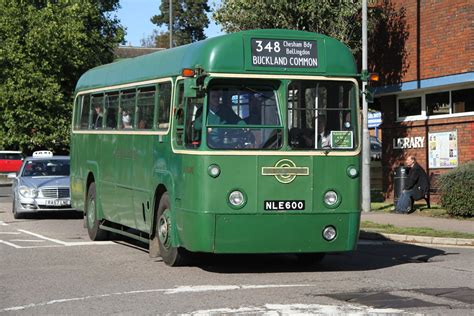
(135, 16)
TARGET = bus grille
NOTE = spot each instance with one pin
(55, 192)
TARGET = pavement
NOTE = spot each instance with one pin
(413, 220)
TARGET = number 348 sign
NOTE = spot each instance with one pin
(284, 53)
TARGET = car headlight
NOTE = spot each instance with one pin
(330, 198)
(236, 199)
(28, 192)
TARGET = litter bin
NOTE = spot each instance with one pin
(399, 177)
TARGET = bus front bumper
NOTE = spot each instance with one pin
(267, 233)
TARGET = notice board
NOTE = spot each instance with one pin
(443, 149)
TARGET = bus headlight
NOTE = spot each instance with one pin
(28, 192)
(329, 233)
(214, 170)
(330, 198)
(236, 199)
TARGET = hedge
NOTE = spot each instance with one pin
(457, 190)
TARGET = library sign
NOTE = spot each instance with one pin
(284, 53)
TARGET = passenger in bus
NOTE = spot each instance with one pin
(219, 112)
(126, 119)
(98, 116)
(324, 141)
(255, 111)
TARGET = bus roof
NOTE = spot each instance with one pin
(230, 53)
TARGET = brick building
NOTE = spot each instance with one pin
(428, 106)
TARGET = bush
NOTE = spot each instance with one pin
(457, 187)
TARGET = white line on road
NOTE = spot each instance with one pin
(3, 223)
(9, 233)
(10, 244)
(176, 290)
(43, 237)
(28, 240)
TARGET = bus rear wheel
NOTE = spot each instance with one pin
(172, 256)
(93, 229)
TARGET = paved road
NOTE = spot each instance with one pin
(49, 266)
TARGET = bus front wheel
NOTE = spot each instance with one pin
(172, 256)
(93, 229)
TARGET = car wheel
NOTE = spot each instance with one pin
(172, 256)
(93, 229)
(16, 214)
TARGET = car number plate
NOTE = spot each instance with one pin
(273, 205)
(57, 202)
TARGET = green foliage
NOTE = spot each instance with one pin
(457, 187)
(45, 46)
(322, 16)
(189, 22)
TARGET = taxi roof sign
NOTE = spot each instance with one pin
(42, 154)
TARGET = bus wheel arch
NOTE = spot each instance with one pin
(92, 222)
(154, 249)
(163, 234)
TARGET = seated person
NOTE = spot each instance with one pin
(416, 186)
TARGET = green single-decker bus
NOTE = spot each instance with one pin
(239, 144)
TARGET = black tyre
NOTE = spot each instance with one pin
(95, 233)
(172, 256)
(16, 215)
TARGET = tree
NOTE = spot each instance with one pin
(189, 21)
(45, 45)
(320, 16)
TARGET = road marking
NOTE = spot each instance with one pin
(10, 244)
(9, 233)
(299, 309)
(28, 240)
(3, 223)
(171, 291)
(43, 237)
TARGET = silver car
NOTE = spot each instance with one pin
(42, 184)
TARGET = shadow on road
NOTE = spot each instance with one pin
(59, 215)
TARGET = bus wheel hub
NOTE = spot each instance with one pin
(164, 229)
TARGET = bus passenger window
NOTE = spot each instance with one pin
(98, 111)
(145, 103)
(164, 103)
(111, 108)
(84, 105)
(127, 109)
(194, 122)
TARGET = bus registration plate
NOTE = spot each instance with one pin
(297, 205)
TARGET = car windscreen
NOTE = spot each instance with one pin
(46, 168)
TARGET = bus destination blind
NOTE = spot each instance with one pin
(284, 53)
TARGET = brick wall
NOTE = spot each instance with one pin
(446, 37)
(392, 157)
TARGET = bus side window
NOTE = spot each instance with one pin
(164, 104)
(127, 109)
(85, 108)
(97, 110)
(111, 108)
(145, 103)
(194, 122)
(179, 115)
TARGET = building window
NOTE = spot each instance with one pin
(463, 100)
(437, 103)
(409, 107)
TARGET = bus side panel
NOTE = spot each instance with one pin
(78, 181)
(108, 173)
